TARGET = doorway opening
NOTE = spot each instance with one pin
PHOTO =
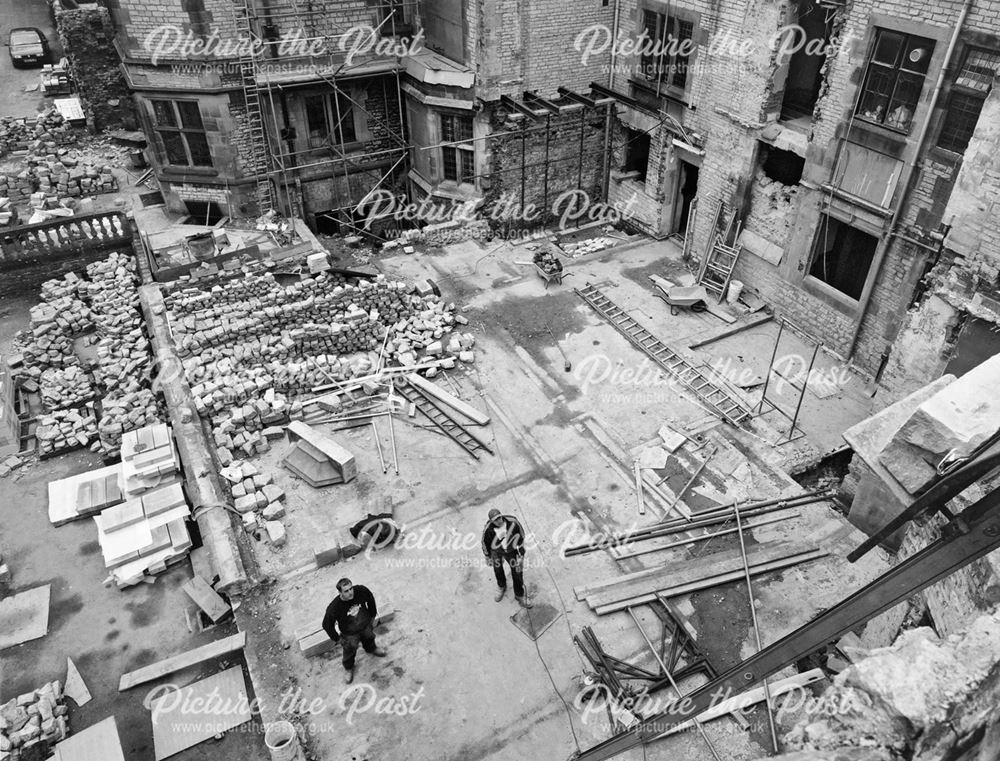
(687, 189)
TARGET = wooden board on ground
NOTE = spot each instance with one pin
(175, 663)
(99, 742)
(73, 686)
(176, 728)
(64, 494)
(24, 616)
(450, 399)
(206, 598)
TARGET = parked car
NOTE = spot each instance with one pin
(28, 47)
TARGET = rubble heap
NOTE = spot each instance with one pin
(47, 131)
(109, 301)
(61, 430)
(68, 387)
(31, 718)
(257, 497)
(924, 699)
(248, 346)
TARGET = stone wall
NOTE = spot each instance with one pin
(87, 36)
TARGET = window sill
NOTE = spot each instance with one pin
(882, 129)
(827, 293)
(671, 92)
(205, 171)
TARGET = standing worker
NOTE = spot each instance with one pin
(353, 612)
(503, 539)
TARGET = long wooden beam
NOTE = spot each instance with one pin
(178, 662)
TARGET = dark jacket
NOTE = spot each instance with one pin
(511, 544)
(350, 616)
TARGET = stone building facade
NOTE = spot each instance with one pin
(852, 140)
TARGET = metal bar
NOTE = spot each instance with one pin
(576, 97)
(579, 163)
(702, 520)
(378, 446)
(637, 472)
(982, 461)
(392, 439)
(802, 393)
(973, 534)
(666, 672)
(548, 105)
(756, 628)
(692, 540)
(770, 366)
(545, 182)
(534, 115)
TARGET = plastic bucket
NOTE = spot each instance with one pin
(735, 289)
(282, 742)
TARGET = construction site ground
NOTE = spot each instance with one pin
(563, 444)
(105, 630)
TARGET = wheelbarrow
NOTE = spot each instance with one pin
(548, 276)
(693, 297)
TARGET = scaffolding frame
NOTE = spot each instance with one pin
(794, 431)
(275, 169)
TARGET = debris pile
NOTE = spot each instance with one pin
(71, 306)
(61, 430)
(247, 428)
(47, 131)
(34, 718)
(256, 496)
(249, 345)
(548, 262)
(68, 387)
(123, 412)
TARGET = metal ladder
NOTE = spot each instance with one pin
(716, 399)
(258, 163)
(453, 429)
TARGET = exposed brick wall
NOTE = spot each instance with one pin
(563, 166)
(87, 37)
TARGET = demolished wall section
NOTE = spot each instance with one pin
(87, 36)
(922, 699)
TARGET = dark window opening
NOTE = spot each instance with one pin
(670, 41)
(894, 79)
(784, 166)
(203, 212)
(637, 153)
(843, 255)
(976, 342)
(458, 160)
(179, 125)
(973, 84)
(805, 69)
(330, 120)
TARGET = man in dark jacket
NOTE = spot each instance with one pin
(503, 539)
(353, 613)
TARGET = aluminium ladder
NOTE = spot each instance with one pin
(445, 422)
(718, 400)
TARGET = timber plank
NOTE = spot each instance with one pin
(177, 662)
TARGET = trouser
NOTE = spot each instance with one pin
(349, 644)
(516, 563)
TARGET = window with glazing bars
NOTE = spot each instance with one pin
(894, 79)
(179, 125)
(973, 84)
(666, 57)
(330, 120)
(459, 160)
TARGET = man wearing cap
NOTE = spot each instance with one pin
(503, 539)
(353, 613)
